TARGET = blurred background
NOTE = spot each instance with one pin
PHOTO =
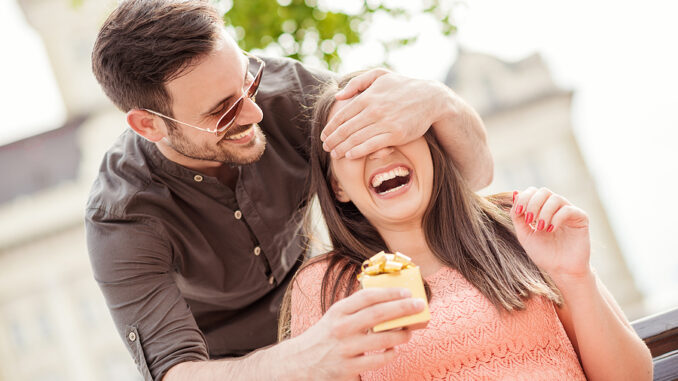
(578, 96)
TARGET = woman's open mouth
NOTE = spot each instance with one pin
(389, 182)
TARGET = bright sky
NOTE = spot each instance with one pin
(620, 57)
(29, 98)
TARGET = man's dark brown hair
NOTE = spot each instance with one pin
(144, 44)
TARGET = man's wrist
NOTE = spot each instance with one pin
(276, 362)
(445, 103)
(283, 362)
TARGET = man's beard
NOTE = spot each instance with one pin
(222, 151)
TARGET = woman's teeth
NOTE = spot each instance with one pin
(391, 181)
(381, 177)
(393, 189)
(239, 135)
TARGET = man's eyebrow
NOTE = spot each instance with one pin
(229, 98)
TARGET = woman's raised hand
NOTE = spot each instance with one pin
(553, 232)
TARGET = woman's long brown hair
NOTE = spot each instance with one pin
(469, 233)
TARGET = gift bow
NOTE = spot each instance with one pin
(383, 263)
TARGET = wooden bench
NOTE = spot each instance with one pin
(660, 333)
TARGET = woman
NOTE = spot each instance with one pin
(512, 294)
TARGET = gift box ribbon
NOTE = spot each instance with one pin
(384, 263)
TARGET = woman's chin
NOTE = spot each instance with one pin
(400, 213)
(399, 207)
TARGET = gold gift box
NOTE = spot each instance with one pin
(396, 270)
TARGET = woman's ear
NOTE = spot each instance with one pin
(146, 124)
(339, 192)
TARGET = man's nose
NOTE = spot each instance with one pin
(250, 113)
(380, 153)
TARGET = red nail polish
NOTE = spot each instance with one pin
(519, 209)
(540, 225)
(514, 196)
(550, 228)
(528, 217)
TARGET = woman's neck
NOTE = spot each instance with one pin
(411, 241)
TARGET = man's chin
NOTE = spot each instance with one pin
(244, 160)
(224, 151)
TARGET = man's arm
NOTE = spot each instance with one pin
(332, 349)
(389, 109)
(264, 364)
(132, 265)
(462, 134)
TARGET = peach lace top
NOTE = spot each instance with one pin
(466, 338)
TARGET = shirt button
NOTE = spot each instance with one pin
(197, 178)
(132, 336)
(257, 250)
(237, 214)
(271, 280)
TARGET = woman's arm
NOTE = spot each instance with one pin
(558, 243)
(607, 346)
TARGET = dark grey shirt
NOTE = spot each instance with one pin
(191, 269)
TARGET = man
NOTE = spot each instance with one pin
(193, 221)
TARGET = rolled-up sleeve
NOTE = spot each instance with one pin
(132, 264)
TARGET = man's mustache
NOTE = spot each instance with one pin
(237, 129)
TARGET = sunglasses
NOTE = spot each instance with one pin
(228, 118)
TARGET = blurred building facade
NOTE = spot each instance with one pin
(528, 121)
(54, 324)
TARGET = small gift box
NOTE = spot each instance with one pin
(396, 270)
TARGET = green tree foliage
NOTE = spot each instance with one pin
(305, 28)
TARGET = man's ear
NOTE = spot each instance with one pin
(339, 192)
(146, 124)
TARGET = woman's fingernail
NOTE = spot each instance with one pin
(519, 209)
(528, 217)
(333, 154)
(514, 196)
(540, 225)
(550, 228)
(418, 304)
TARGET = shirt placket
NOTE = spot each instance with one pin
(248, 216)
(230, 199)
(260, 232)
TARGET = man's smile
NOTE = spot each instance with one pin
(243, 134)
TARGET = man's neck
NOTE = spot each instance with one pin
(223, 172)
